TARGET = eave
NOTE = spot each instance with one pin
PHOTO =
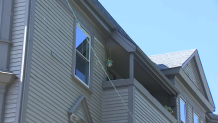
(91, 12)
(157, 74)
(180, 74)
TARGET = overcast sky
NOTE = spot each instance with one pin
(162, 26)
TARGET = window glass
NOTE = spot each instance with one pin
(182, 111)
(82, 69)
(82, 45)
(82, 56)
(195, 118)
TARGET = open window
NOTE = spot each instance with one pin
(82, 57)
(79, 113)
(182, 111)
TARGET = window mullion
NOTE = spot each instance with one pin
(82, 56)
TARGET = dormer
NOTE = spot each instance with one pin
(185, 71)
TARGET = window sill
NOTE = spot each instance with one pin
(81, 84)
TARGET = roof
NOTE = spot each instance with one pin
(172, 60)
(111, 19)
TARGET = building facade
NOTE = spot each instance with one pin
(55, 66)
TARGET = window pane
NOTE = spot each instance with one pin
(81, 43)
(195, 118)
(82, 69)
(182, 110)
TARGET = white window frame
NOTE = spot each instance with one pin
(87, 60)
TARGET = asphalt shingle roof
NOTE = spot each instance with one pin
(171, 60)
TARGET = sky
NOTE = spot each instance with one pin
(162, 26)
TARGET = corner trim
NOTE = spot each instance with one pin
(23, 61)
(131, 104)
(29, 46)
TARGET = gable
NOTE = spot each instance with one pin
(191, 71)
(79, 113)
(198, 75)
(190, 63)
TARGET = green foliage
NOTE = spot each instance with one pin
(109, 60)
(168, 109)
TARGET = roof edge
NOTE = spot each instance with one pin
(158, 73)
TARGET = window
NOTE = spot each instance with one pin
(82, 66)
(182, 111)
(196, 119)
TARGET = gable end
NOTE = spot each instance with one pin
(192, 72)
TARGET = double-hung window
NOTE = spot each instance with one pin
(182, 111)
(196, 118)
(82, 62)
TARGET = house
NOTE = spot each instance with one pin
(53, 69)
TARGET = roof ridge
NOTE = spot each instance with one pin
(172, 59)
(190, 57)
(173, 52)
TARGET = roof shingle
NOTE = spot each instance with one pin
(171, 60)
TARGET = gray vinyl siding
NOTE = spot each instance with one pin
(52, 91)
(145, 112)
(190, 114)
(17, 36)
(202, 121)
(178, 108)
(192, 72)
(113, 109)
(80, 114)
(15, 58)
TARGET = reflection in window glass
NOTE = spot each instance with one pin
(82, 45)
(82, 56)
(195, 118)
(182, 110)
(82, 69)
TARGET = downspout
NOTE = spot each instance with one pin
(23, 61)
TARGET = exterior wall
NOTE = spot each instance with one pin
(145, 111)
(191, 104)
(81, 114)
(190, 114)
(52, 90)
(15, 58)
(113, 108)
(192, 72)
(178, 108)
